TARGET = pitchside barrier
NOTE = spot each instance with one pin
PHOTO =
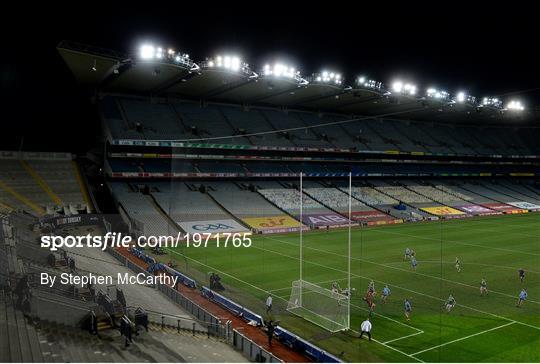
(213, 324)
(252, 351)
(155, 266)
(298, 344)
(288, 338)
(232, 306)
(201, 314)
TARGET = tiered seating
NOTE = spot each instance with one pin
(335, 135)
(404, 195)
(241, 202)
(454, 192)
(288, 199)
(119, 128)
(60, 177)
(307, 137)
(158, 120)
(512, 193)
(371, 196)
(15, 178)
(183, 204)
(140, 208)
(207, 122)
(190, 121)
(335, 199)
(40, 186)
(490, 194)
(444, 195)
(250, 122)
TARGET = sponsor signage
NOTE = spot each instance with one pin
(329, 219)
(371, 215)
(477, 210)
(212, 226)
(507, 209)
(442, 210)
(525, 205)
(280, 223)
(252, 147)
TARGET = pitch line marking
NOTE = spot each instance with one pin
(403, 337)
(432, 239)
(281, 298)
(464, 338)
(401, 269)
(456, 242)
(358, 276)
(405, 289)
(392, 348)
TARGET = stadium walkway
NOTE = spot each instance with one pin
(256, 334)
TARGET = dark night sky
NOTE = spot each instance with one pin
(486, 51)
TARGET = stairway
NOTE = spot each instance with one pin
(18, 337)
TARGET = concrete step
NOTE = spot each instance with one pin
(24, 340)
(13, 335)
(4, 340)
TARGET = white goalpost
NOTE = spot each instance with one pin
(327, 308)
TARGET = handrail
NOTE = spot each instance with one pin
(172, 316)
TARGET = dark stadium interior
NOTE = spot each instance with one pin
(484, 49)
(326, 138)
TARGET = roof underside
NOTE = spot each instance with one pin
(111, 72)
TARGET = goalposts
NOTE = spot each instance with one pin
(327, 308)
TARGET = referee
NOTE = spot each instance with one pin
(365, 327)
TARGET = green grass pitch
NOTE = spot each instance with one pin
(489, 328)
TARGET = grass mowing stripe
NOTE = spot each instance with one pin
(400, 269)
(358, 276)
(470, 263)
(274, 267)
(281, 298)
(409, 290)
(457, 242)
(381, 230)
(463, 338)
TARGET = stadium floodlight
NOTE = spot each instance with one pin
(147, 51)
(462, 97)
(227, 62)
(403, 88)
(282, 70)
(365, 82)
(492, 102)
(433, 93)
(515, 105)
(328, 77)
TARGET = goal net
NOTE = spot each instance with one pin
(324, 307)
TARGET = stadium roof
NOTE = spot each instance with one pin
(174, 74)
